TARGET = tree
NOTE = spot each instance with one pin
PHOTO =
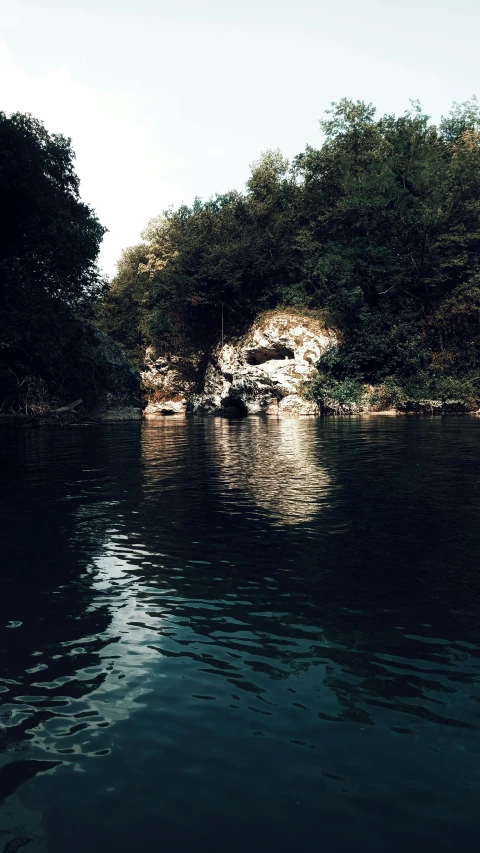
(49, 243)
(50, 238)
(123, 310)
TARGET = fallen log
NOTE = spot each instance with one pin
(19, 418)
(70, 408)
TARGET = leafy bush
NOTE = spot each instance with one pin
(444, 389)
(388, 395)
(333, 395)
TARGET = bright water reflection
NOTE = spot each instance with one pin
(217, 634)
(274, 468)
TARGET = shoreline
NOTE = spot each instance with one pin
(28, 423)
(387, 413)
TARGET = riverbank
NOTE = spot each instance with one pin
(29, 422)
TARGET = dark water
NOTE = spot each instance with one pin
(247, 635)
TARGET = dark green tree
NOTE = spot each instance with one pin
(49, 243)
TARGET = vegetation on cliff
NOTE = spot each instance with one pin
(379, 228)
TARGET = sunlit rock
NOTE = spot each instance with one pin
(265, 371)
(169, 382)
(262, 372)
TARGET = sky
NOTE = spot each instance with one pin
(166, 100)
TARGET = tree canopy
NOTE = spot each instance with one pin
(50, 238)
(49, 244)
(379, 228)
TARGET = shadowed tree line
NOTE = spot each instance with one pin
(379, 229)
(49, 279)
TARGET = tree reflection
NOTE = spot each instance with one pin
(54, 627)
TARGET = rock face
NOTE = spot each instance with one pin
(263, 371)
(170, 382)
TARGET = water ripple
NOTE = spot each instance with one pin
(275, 608)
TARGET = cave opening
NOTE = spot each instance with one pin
(274, 353)
(234, 408)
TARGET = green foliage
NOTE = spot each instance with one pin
(123, 310)
(227, 258)
(48, 248)
(335, 395)
(379, 228)
(50, 238)
(388, 395)
(446, 389)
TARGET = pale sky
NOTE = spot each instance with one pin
(165, 101)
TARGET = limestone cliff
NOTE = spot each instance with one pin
(263, 371)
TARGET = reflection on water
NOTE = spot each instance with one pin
(269, 465)
(271, 624)
(274, 466)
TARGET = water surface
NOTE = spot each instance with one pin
(240, 635)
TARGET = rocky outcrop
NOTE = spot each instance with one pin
(262, 372)
(266, 369)
(169, 382)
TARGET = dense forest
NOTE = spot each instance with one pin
(378, 230)
(50, 351)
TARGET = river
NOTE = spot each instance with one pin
(231, 635)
